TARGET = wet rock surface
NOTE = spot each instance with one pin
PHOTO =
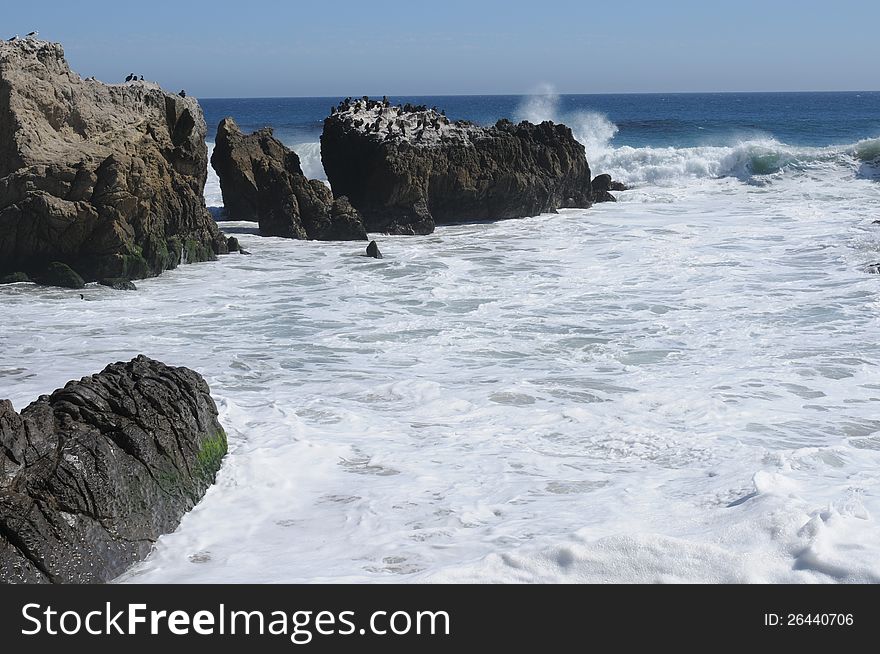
(93, 474)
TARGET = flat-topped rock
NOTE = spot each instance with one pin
(105, 178)
(408, 168)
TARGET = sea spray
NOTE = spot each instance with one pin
(310, 160)
(592, 129)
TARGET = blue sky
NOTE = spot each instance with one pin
(265, 48)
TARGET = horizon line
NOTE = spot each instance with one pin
(520, 95)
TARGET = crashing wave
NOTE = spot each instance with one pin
(745, 159)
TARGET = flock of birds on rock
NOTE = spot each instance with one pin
(31, 35)
(135, 78)
(425, 118)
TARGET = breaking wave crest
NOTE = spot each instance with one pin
(745, 159)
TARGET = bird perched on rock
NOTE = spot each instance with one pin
(129, 78)
(14, 38)
(33, 35)
(182, 94)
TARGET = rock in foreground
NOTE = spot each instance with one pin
(407, 169)
(107, 179)
(93, 474)
(262, 181)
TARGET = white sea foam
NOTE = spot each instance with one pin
(679, 387)
(745, 160)
(213, 194)
(310, 160)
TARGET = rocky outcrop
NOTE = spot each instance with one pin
(107, 179)
(262, 181)
(93, 474)
(602, 189)
(407, 169)
(60, 274)
(373, 251)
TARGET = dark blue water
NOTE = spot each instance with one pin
(678, 120)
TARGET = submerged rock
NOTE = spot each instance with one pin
(407, 169)
(233, 244)
(107, 179)
(373, 251)
(118, 284)
(14, 278)
(262, 181)
(93, 474)
(60, 274)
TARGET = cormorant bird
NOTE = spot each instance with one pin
(14, 38)
(33, 34)
(182, 94)
(142, 78)
(129, 78)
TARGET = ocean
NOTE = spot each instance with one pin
(679, 387)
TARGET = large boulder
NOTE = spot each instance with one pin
(262, 181)
(407, 169)
(60, 274)
(93, 474)
(107, 179)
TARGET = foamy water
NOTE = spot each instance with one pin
(679, 387)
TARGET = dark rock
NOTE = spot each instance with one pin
(345, 221)
(427, 170)
(602, 187)
(119, 284)
(262, 181)
(603, 196)
(14, 278)
(60, 274)
(373, 251)
(876, 222)
(245, 252)
(93, 474)
(873, 269)
(108, 179)
(233, 244)
(602, 183)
